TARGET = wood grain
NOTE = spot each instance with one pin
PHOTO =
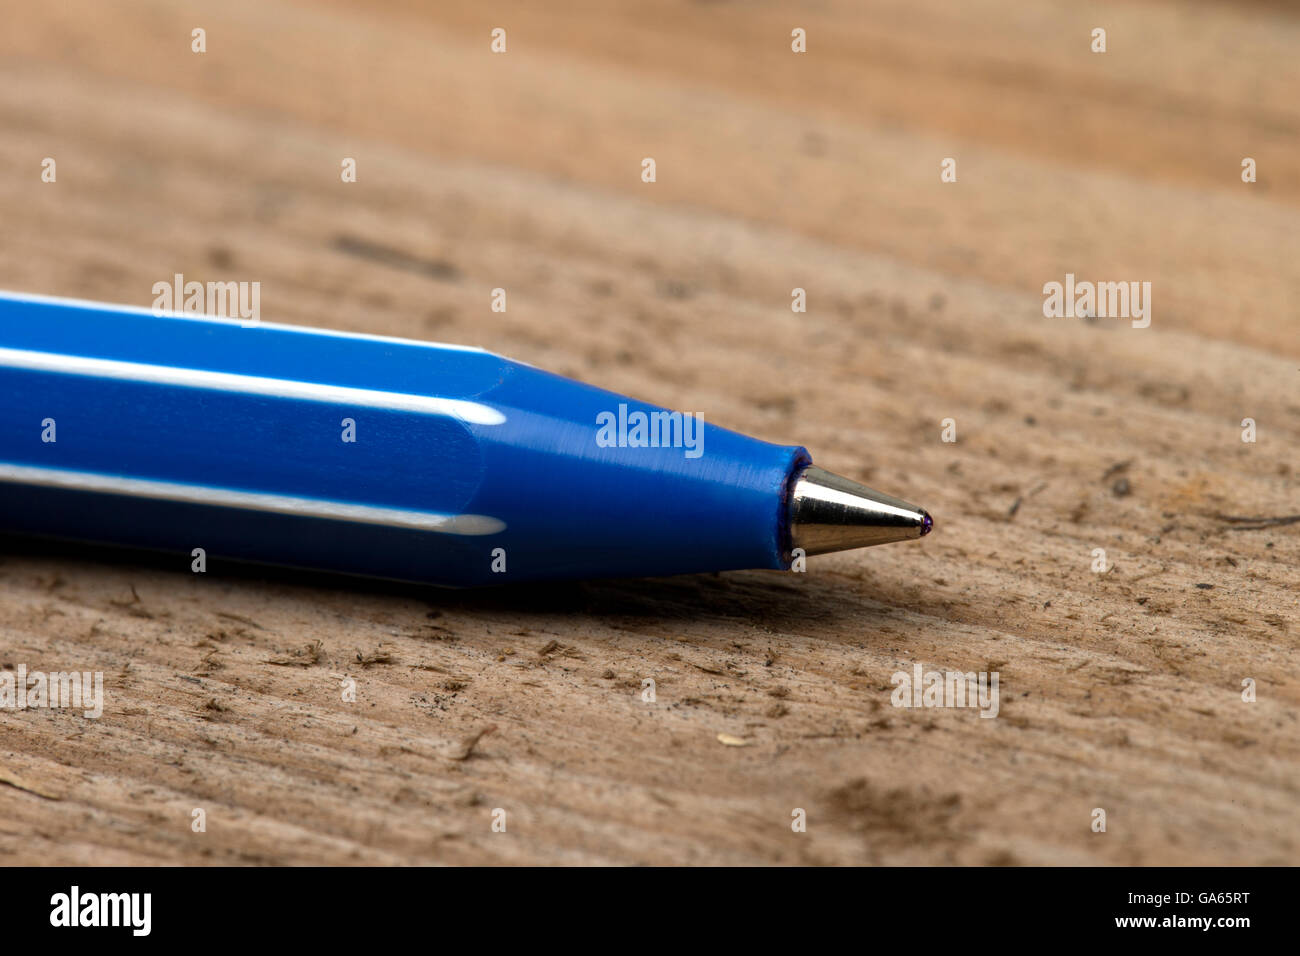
(1119, 690)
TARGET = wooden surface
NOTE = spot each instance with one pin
(1119, 690)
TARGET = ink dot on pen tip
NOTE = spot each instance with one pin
(927, 524)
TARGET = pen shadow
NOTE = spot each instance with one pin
(757, 598)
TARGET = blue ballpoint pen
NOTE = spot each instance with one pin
(386, 457)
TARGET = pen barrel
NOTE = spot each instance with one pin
(362, 455)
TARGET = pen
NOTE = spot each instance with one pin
(378, 456)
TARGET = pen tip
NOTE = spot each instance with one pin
(831, 513)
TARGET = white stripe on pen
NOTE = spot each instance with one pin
(69, 480)
(87, 305)
(473, 412)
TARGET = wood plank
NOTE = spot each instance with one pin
(1119, 690)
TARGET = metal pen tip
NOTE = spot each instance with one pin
(830, 513)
